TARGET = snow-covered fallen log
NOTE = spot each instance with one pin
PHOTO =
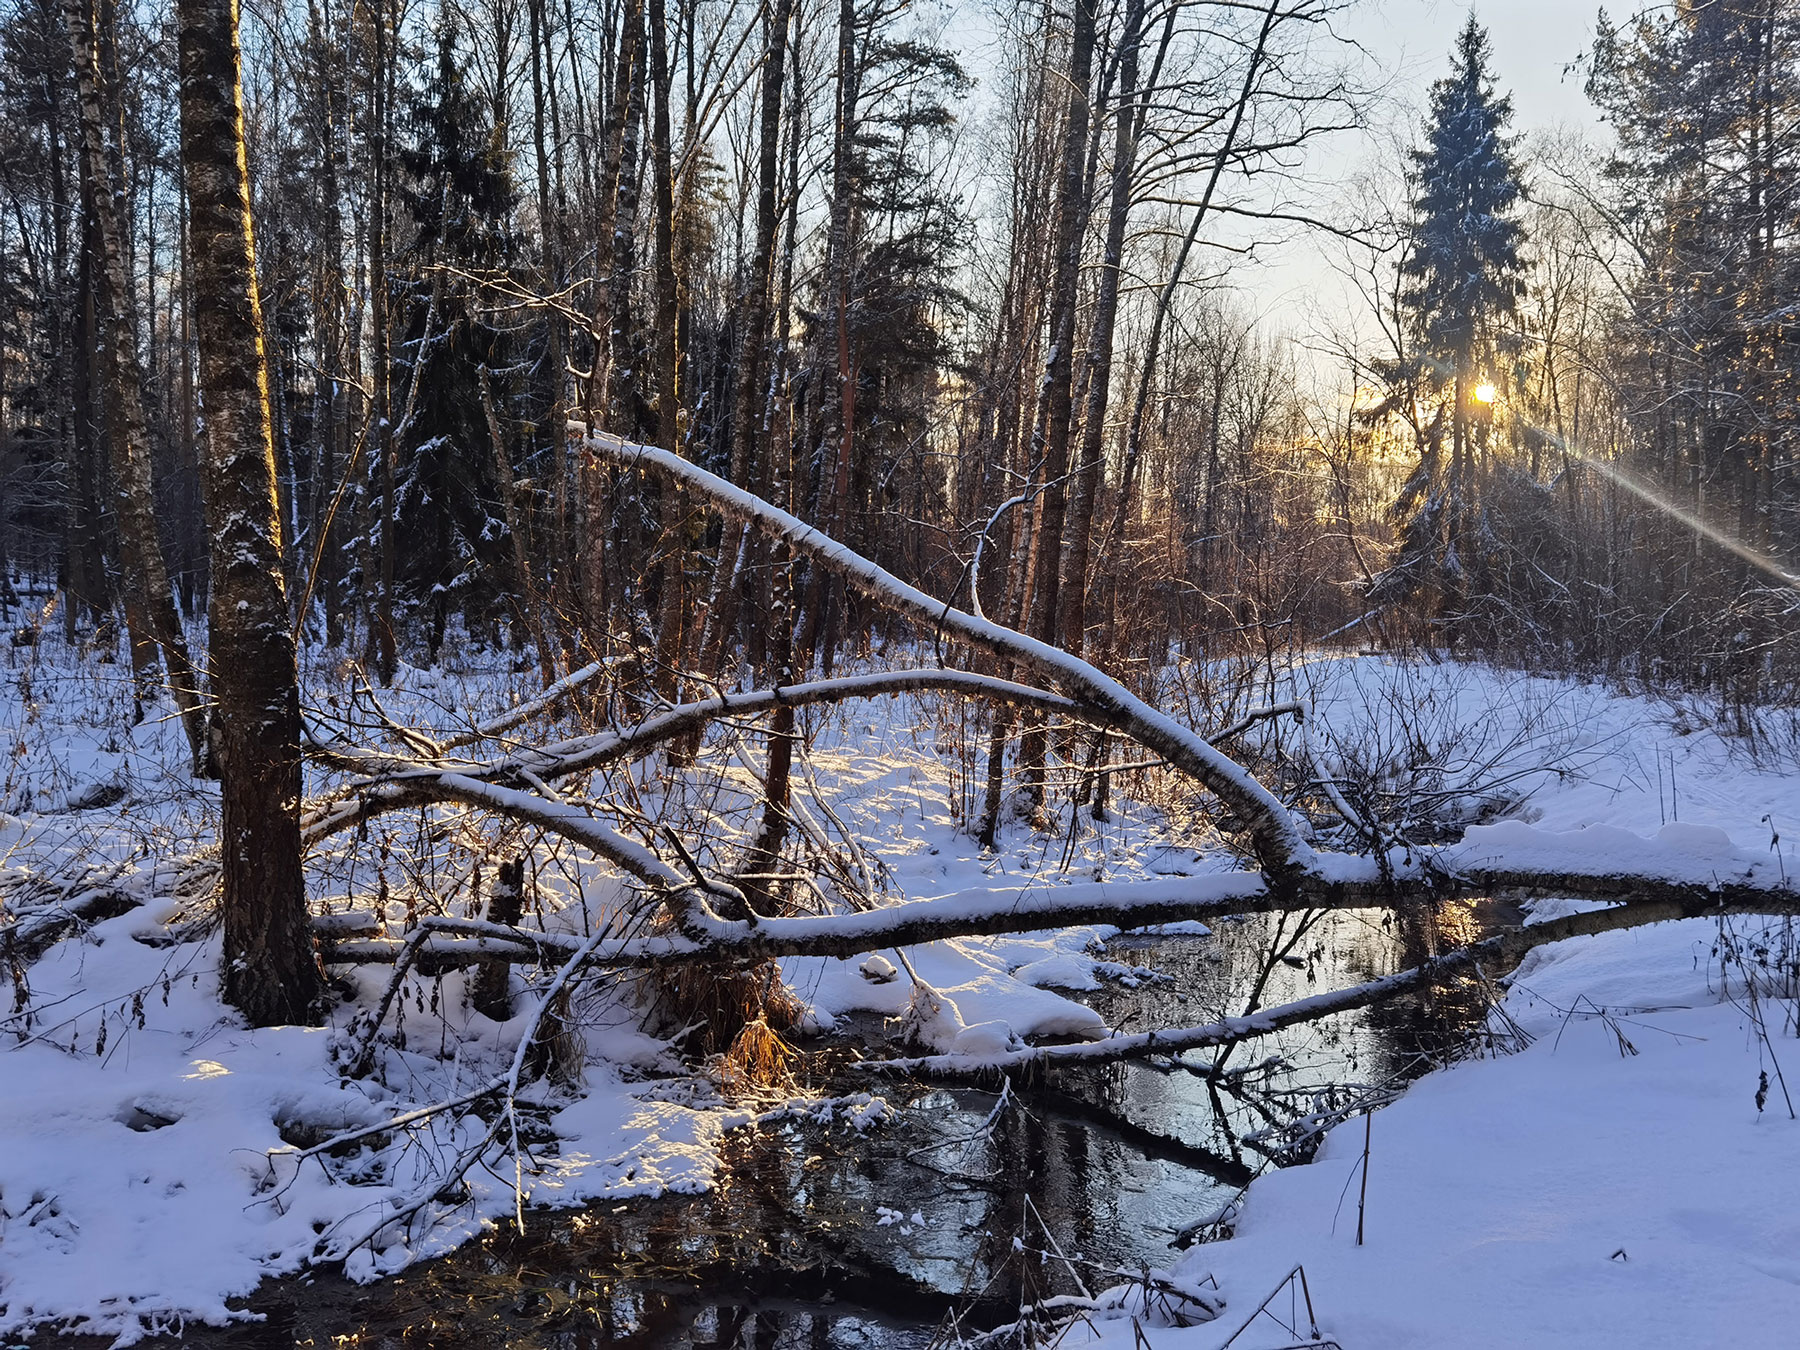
(1280, 845)
(1355, 883)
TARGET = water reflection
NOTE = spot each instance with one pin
(828, 1239)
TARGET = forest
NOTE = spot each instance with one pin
(605, 598)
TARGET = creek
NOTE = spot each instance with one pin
(828, 1239)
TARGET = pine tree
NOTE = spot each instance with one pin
(1463, 275)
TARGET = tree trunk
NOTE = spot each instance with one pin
(492, 995)
(270, 973)
(834, 482)
(666, 363)
(748, 394)
(750, 401)
(1076, 544)
(550, 225)
(381, 625)
(149, 600)
(1050, 438)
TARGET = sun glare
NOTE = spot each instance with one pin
(1485, 393)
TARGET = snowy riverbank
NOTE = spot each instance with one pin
(1614, 1184)
(146, 1164)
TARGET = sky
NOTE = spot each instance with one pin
(1291, 285)
(1408, 44)
(1533, 40)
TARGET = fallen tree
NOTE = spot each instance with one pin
(708, 914)
(676, 917)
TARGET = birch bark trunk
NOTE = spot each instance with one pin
(150, 602)
(270, 973)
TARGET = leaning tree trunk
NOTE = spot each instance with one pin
(1056, 400)
(149, 599)
(270, 972)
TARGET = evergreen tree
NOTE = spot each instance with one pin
(903, 238)
(451, 368)
(1465, 265)
(1705, 101)
(1463, 276)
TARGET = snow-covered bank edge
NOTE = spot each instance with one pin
(1631, 1178)
(165, 1125)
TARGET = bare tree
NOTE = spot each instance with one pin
(271, 974)
(149, 602)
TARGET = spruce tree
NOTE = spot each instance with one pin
(1463, 274)
(457, 198)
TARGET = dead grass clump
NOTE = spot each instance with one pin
(758, 1060)
(708, 1007)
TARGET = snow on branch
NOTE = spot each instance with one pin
(1356, 883)
(392, 782)
(552, 695)
(1280, 847)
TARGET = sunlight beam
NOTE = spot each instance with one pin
(1644, 492)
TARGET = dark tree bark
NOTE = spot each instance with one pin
(1056, 402)
(839, 416)
(382, 637)
(1051, 440)
(748, 407)
(748, 400)
(270, 974)
(506, 906)
(665, 361)
(550, 227)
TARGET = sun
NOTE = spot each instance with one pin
(1486, 393)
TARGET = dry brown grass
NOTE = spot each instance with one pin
(758, 1060)
(710, 1006)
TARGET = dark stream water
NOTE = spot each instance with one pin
(823, 1239)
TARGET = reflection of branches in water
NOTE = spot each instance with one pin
(1311, 1075)
(1030, 1259)
(1289, 929)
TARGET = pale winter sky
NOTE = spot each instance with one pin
(1408, 42)
(1533, 41)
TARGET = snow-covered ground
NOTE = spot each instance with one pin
(143, 1178)
(1615, 1184)
(1631, 1178)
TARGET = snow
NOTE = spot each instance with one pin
(1578, 1193)
(149, 1178)
(1572, 1195)
(1681, 852)
(120, 1221)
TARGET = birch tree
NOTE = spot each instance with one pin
(271, 974)
(149, 602)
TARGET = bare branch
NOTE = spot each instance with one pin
(1281, 849)
(1509, 945)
